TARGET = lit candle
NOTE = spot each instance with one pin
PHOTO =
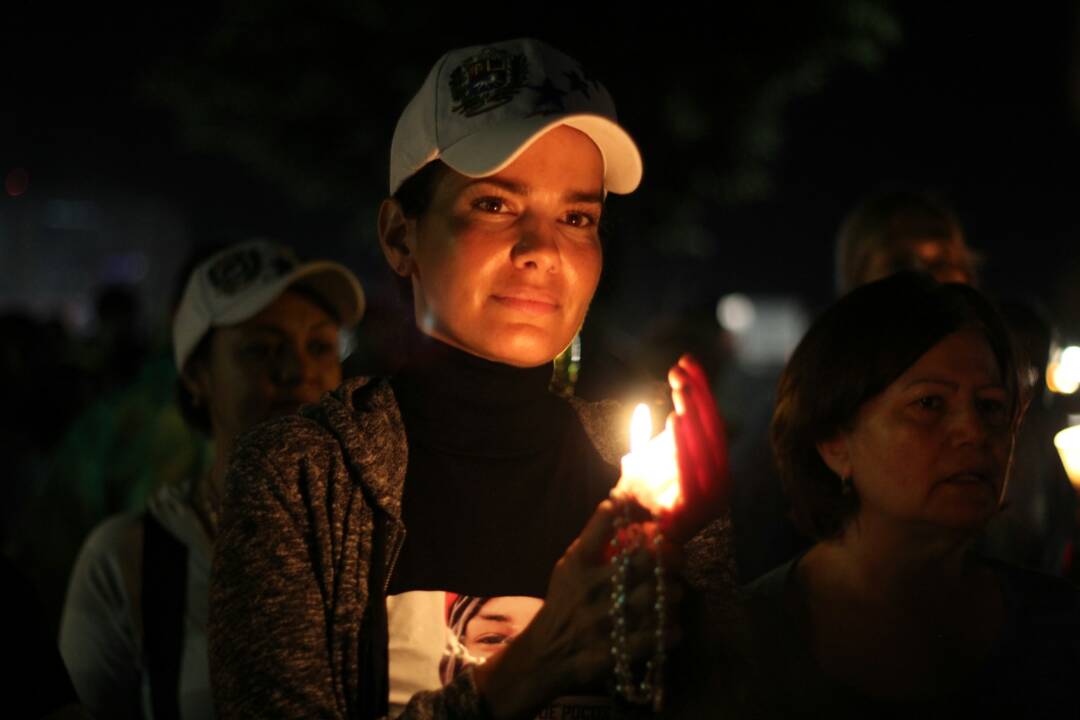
(650, 472)
(1068, 446)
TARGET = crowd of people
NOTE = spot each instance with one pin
(450, 541)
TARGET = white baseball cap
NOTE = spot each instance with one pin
(236, 283)
(480, 107)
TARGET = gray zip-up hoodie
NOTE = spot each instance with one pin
(296, 546)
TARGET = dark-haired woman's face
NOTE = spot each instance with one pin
(932, 449)
(505, 266)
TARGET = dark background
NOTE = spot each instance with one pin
(160, 128)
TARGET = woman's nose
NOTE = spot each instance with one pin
(969, 424)
(290, 365)
(537, 247)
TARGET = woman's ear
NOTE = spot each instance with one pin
(836, 453)
(397, 237)
(196, 381)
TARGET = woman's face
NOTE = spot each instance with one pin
(497, 623)
(268, 365)
(933, 448)
(504, 267)
(945, 259)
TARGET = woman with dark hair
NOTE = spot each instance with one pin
(346, 527)
(255, 335)
(893, 431)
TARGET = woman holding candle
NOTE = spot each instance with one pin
(345, 529)
(893, 431)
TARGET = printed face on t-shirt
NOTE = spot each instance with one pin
(497, 622)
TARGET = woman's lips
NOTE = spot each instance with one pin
(971, 479)
(529, 303)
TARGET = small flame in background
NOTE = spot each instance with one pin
(1063, 371)
(1067, 443)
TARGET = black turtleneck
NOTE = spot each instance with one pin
(501, 475)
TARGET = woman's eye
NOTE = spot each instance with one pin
(580, 219)
(493, 639)
(929, 402)
(490, 204)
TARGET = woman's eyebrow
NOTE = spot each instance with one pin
(267, 328)
(495, 617)
(516, 187)
(279, 330)
(931, 381)
(951, 385)
(510, 186)
(578, 196)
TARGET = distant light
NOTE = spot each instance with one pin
(1070, 356)
(128, 268)
(16, 182)
(1063, 372)
(1067, 443)
(735, 312)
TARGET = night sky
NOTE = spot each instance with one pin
(974, 103)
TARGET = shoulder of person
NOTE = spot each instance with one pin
(1037, 591)
(359, 409)
(353, 432)
(106, 578)
(117, 541)
(769, 594)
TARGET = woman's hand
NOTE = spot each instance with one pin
(701, 443)
(567, 646)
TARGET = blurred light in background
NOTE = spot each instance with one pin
(127, 268)
(764, 329)
(82, 215)
(1067, 443)
(1063, 370)
(79, 316)
(735, 312)
(16, 182)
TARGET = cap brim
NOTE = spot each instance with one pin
(488, 151)
(332, 281)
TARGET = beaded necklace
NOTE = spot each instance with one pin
(650, 689)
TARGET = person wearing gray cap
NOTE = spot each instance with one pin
(348, 531)
(255, 335)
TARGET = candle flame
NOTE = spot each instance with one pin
(650, 473)
(1068, 445)
(640, 428)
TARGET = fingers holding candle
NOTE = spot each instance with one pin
(712, 424)
(691, 390)
(701, 446)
